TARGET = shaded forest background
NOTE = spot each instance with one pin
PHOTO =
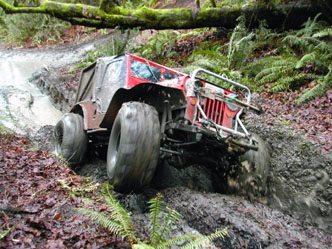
(272, 60)
(290, 68)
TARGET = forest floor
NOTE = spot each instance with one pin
(39, 195)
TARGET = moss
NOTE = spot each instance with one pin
(211, 16)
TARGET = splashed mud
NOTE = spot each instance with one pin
(295, 214)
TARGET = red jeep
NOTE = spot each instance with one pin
(147, 112)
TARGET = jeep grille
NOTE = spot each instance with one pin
(213, 109)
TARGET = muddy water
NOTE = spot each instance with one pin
(251, 224)
(23, 107)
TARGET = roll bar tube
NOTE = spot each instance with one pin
(223, 77)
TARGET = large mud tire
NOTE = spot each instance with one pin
(69, 138)
(134, 145)
(253, 175)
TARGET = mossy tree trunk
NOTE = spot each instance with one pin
(110, 15)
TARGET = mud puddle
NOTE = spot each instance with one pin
(296, 213)
(297, 207)
(23, 107)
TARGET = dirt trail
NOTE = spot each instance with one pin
(24, 108)
(300, 186)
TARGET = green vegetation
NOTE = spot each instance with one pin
(262, 58)
(116, 45)
(265, 59)
(4, 233)
(30, 28)
(162, 220)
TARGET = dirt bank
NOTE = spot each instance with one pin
(297, 206)
(301, 177)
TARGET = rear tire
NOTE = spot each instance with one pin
(133, 149)
(69, 138)
(253, 174)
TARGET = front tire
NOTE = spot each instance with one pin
(69, 138)
(253, 174)
(134, 145)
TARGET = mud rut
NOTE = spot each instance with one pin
(296, 213)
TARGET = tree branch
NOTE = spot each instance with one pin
(109, 15)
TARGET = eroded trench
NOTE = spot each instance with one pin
(296, 213)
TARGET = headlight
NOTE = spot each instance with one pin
(190, 87)
(232, 105)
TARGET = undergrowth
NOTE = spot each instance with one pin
(261, 58)
(162, 221)
(31, 28)
(115, 46)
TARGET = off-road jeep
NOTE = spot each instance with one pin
(147, 113)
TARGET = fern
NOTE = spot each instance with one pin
(161, 221)
(310, 26)
(105, 221)
(258, 65)
(194, 241)
(240, 45)
(171, 217)
(156, 206)
(117, 222)
(158, 47)
(205, 240)
(324, 85)
(276, 69)
(178, 240)
(118, 213)
(4, 233)
(323, 33)
(286, 83)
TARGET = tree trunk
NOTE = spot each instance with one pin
(108, 15)
(325, 6)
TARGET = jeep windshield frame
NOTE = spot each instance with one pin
(142, 69)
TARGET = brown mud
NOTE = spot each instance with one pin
(296, 212)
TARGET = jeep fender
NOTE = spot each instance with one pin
(150, 93)
(90, 112)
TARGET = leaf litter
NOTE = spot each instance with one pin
(34, 199)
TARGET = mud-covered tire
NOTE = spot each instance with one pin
(254, 171)
(133, 149)
(69, 138)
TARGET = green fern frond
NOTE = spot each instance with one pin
(156, 206)
(239, 49)
(305, 59)
(286, 83)
(323, 33)
(258, 65)
(4, 233)
(194, 241)
(205, 240)
(240, 45)
(274, 76)
(105, 221)
(324, 47)
(324, 85)
(178, 240)
(271, 73)
(218, 234)
(171, 217)
(310, 26)
(118, 213)
(210, 54)
(301, 42)
(142, 246)
(289, 61)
